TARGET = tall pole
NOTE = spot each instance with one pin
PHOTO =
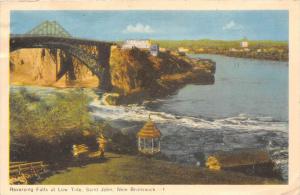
(139, 143)
(152, 145)
(158, 144)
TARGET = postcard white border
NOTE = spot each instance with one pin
(294, 88)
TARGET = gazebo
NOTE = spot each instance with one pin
(149, 138)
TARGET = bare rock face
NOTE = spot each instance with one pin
(40, 67)
(32, 66)
(136, 75)
(131, 71)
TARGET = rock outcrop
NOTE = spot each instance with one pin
(134, 74)
(40, 67)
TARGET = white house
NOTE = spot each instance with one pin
(138, 43)
(154, 50)
(162, 49)
(233, 50)
(244, 44)
(182, 49)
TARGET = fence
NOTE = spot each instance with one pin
(23, 172)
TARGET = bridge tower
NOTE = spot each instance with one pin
(49, 28)
(54, 29)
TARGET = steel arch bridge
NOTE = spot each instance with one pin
(53, 36)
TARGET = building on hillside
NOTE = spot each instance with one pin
(182, 49)
(162, 49)
(233, 49)
(244, 44)
(154, 50)
(138, 43)
(200, 49)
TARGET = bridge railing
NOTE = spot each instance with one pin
(67, 38)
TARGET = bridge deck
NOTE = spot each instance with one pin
(22, 40)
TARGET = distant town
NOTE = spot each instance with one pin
(268, 50)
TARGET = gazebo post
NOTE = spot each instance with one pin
(158, 144)
(152, 145)
(139, 143)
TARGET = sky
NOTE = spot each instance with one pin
(165, 25)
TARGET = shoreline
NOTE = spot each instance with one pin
(167, 87)
(214, 176)
(167, 80)
(255, 49)
(237, 55)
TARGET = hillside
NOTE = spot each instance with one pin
(257, 49)
(217, 43)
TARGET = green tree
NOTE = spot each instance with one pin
(52, 123)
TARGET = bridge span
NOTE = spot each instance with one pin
(52, 36)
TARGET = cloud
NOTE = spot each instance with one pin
(138, 28)
(232, 25)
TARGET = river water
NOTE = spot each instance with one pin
(246, 107)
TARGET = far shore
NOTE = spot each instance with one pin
(253, 49)
(246, 55)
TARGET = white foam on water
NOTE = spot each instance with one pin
(140, 113)
(182, 124)
(242, 122)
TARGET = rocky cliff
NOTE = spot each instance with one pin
(134, 74)
(40, 67)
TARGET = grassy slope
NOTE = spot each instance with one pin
(206, 43)
(124, 169)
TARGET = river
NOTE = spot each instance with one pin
(246, 107)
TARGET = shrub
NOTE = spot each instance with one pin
(45, 128)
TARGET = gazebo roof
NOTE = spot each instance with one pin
(149, 130)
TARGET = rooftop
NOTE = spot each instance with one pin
(149, 130)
